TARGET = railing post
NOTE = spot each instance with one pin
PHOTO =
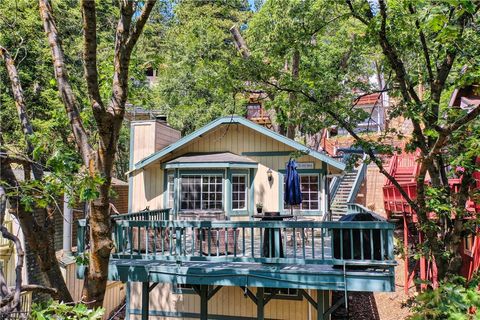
(178, 241)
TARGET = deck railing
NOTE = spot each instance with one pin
(160, 214)
(291, 242)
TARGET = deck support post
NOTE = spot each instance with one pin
(203, 302)
(145, 300)
(322, 303)
(260, 303)
(127, 301)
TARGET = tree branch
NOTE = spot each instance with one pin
(90, 58)
(63, 84)
(346, 126)
(21, 108)
(423, 41)
(239, 42)
(142, 20)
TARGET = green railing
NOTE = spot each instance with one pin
(332, 243)
(146, 215)
(160, 214)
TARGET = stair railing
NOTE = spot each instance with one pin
(335, 183)
(358, 181)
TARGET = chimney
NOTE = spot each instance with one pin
(150, 136)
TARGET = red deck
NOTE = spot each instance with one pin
(405, 170)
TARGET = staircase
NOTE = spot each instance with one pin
(340, 199)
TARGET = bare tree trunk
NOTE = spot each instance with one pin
(39, 236)
(109, 119)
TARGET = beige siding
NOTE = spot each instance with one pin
(114, 295)
(229, 301)
(235, 138)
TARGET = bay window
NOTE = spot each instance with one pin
(201, 192)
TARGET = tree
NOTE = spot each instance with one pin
(196, 76)
(422, 46)
(98, 155)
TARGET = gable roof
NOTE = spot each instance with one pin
(247, 123)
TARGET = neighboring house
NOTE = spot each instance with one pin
(192, 247)
(405, 169)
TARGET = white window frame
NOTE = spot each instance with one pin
(319, 196)
(170, 190)
(246, 191)
(201, 175)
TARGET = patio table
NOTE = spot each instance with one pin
(272, 237)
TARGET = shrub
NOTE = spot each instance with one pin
(53, 310)
(452, 300)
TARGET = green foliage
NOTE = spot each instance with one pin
(453, 300)
(197, 67)
(53, 310)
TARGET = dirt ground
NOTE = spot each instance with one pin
(378, 306)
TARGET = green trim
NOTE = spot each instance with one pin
(130, 167)
(231, 211)
(238, 120)
(201, 165)
(176, 192)
(267, 153)
(253, 173)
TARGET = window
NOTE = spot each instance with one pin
(201, 192)
(239, 192)
(284, 293)
(183, 288)
(309, 186)
(171, 190)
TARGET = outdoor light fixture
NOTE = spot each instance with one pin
(269, 175)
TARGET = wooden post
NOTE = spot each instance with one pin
(145, 300)
(321, 306)
(260, 303)
(127, 301)
(405, 252)
(203, 302)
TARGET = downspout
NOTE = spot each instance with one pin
(67, 226)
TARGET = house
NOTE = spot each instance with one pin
(192, 244)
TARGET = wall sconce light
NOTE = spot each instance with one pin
(269, 174)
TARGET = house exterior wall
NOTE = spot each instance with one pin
(149, 189)
(229, 301)
(148, 185)
(114, 295)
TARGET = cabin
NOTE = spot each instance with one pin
(208, 234)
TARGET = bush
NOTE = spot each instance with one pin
(452, 300)
(53, 310)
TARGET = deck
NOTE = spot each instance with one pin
(341, 256)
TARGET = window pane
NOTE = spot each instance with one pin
(239, 192)
(309, 187)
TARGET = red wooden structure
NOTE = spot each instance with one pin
(405, 170)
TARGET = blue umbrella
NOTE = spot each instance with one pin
(293, 194)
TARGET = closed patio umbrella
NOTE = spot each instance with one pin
(293, 193)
